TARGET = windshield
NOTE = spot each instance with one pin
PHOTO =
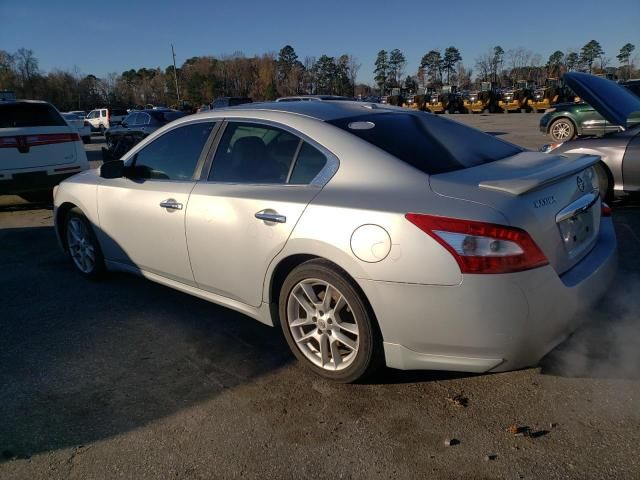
(427, 142)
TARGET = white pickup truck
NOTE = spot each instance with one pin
(103, 118)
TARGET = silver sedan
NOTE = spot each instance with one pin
(370, 235)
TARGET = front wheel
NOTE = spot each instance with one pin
(327, 323)
(562, 130)
(82, 245)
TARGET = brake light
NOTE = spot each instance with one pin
(8, 142)
(606, 210)
(480, 247)
(37, 140)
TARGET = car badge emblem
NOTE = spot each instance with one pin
(580, 183)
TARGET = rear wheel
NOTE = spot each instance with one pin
(82, 245)
(327, 323)
(101, 128)
(562, 130)
(86, 140)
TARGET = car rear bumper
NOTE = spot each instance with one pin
(490, 322)
(14, 183)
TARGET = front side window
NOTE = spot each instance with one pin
(254, 153)
(131, 119)
(93, 114)
(174, 155)
(143, 119)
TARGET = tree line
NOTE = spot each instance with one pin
(271, 75)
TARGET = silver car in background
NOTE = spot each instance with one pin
(371, 235)
(619, 168)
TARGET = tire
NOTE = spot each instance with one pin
(81, 241)
(562, 130)
(101, 129)
(351, 340)
(605, 184)
(41, 196)
(86, 140)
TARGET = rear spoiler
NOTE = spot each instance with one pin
(564, 167)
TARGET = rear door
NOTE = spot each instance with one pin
(34, 135)
(142, 215)
(241, 215)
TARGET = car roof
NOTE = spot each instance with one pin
(23, 101)
(318, 110)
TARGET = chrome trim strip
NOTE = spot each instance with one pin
(582, 204)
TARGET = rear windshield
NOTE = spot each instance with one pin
(429, 143)
(29, 115)
(166, 116)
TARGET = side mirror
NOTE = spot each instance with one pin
(123, 124)
(112, 169)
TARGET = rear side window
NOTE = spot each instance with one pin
(174, 155)
(29, 115)
(254, 153)
(308, 164)
(427, 142)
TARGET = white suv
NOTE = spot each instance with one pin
(38, 149)
(103, 118)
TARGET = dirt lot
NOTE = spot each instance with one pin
(128, 379)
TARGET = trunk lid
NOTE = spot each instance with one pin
(27, 148)
(552, 197)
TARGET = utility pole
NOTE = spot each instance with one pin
(175, 74)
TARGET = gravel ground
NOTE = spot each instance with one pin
(128, 379)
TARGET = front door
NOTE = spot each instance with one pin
(242, 214)
(142, 215)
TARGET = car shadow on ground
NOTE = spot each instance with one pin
(84, 360)
(496, 134)
(25, 207)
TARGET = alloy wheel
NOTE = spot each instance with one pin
(81, 248)
(561, 131)
(322, 324)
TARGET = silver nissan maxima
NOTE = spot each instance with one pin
(371, 235)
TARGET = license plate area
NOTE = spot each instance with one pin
(578, 230)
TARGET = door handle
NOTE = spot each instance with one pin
(271, 217)
(171, 204)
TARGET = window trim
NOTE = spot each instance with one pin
(148, 118)
(132, 155)
(320, 180)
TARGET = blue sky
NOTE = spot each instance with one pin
(114, 35)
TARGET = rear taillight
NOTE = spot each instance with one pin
(51, 138)
(482, 247)
(605, 210)
(8, 142)
(37, 140)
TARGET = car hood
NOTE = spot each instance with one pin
(614, 102)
